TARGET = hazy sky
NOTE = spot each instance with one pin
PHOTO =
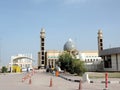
(21, 22)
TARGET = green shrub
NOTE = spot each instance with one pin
(79, 67)
(4, 69)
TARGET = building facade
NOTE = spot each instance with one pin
(110, 56)
(52, 57)
(90, 58)
(24, 61)
(92, 61)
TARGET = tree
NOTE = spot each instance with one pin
(70, 64)
(65, 60)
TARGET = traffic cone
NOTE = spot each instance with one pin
(51, 82)
(80, 86)
(30, 81)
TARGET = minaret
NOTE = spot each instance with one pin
(42, 53)
(100, 41)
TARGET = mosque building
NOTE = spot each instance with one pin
(48, 58)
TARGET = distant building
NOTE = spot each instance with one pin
(110, 56)
(22, 60)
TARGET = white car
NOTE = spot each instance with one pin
(24, 69)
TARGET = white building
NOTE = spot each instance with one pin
(22, 60)
(92, 61)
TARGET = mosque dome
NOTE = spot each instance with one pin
(69, 45)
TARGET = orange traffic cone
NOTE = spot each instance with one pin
(30, 81)
(80, 86)
(51, 82)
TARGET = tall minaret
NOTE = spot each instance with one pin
(100, 41)
(42, 53)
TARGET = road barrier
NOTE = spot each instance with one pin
(28, 76)
(25, 77)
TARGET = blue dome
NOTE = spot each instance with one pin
(69, 46)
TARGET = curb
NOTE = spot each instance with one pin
(69, 79)
(110, 82)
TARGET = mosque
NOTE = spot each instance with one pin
(101, 60)
(49, 57)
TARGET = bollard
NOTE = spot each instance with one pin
(106, 81)
(51, 82)
(80, 86)
(30, 81)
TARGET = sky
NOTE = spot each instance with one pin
(21, 22)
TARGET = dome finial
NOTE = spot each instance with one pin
(42, 30)
(100, 31)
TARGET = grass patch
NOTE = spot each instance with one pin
(102, 75)
(114, 75)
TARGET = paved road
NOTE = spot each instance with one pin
(41, 81)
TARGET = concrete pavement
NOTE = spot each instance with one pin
(41, 81)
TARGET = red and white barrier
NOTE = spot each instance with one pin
(28, 76)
